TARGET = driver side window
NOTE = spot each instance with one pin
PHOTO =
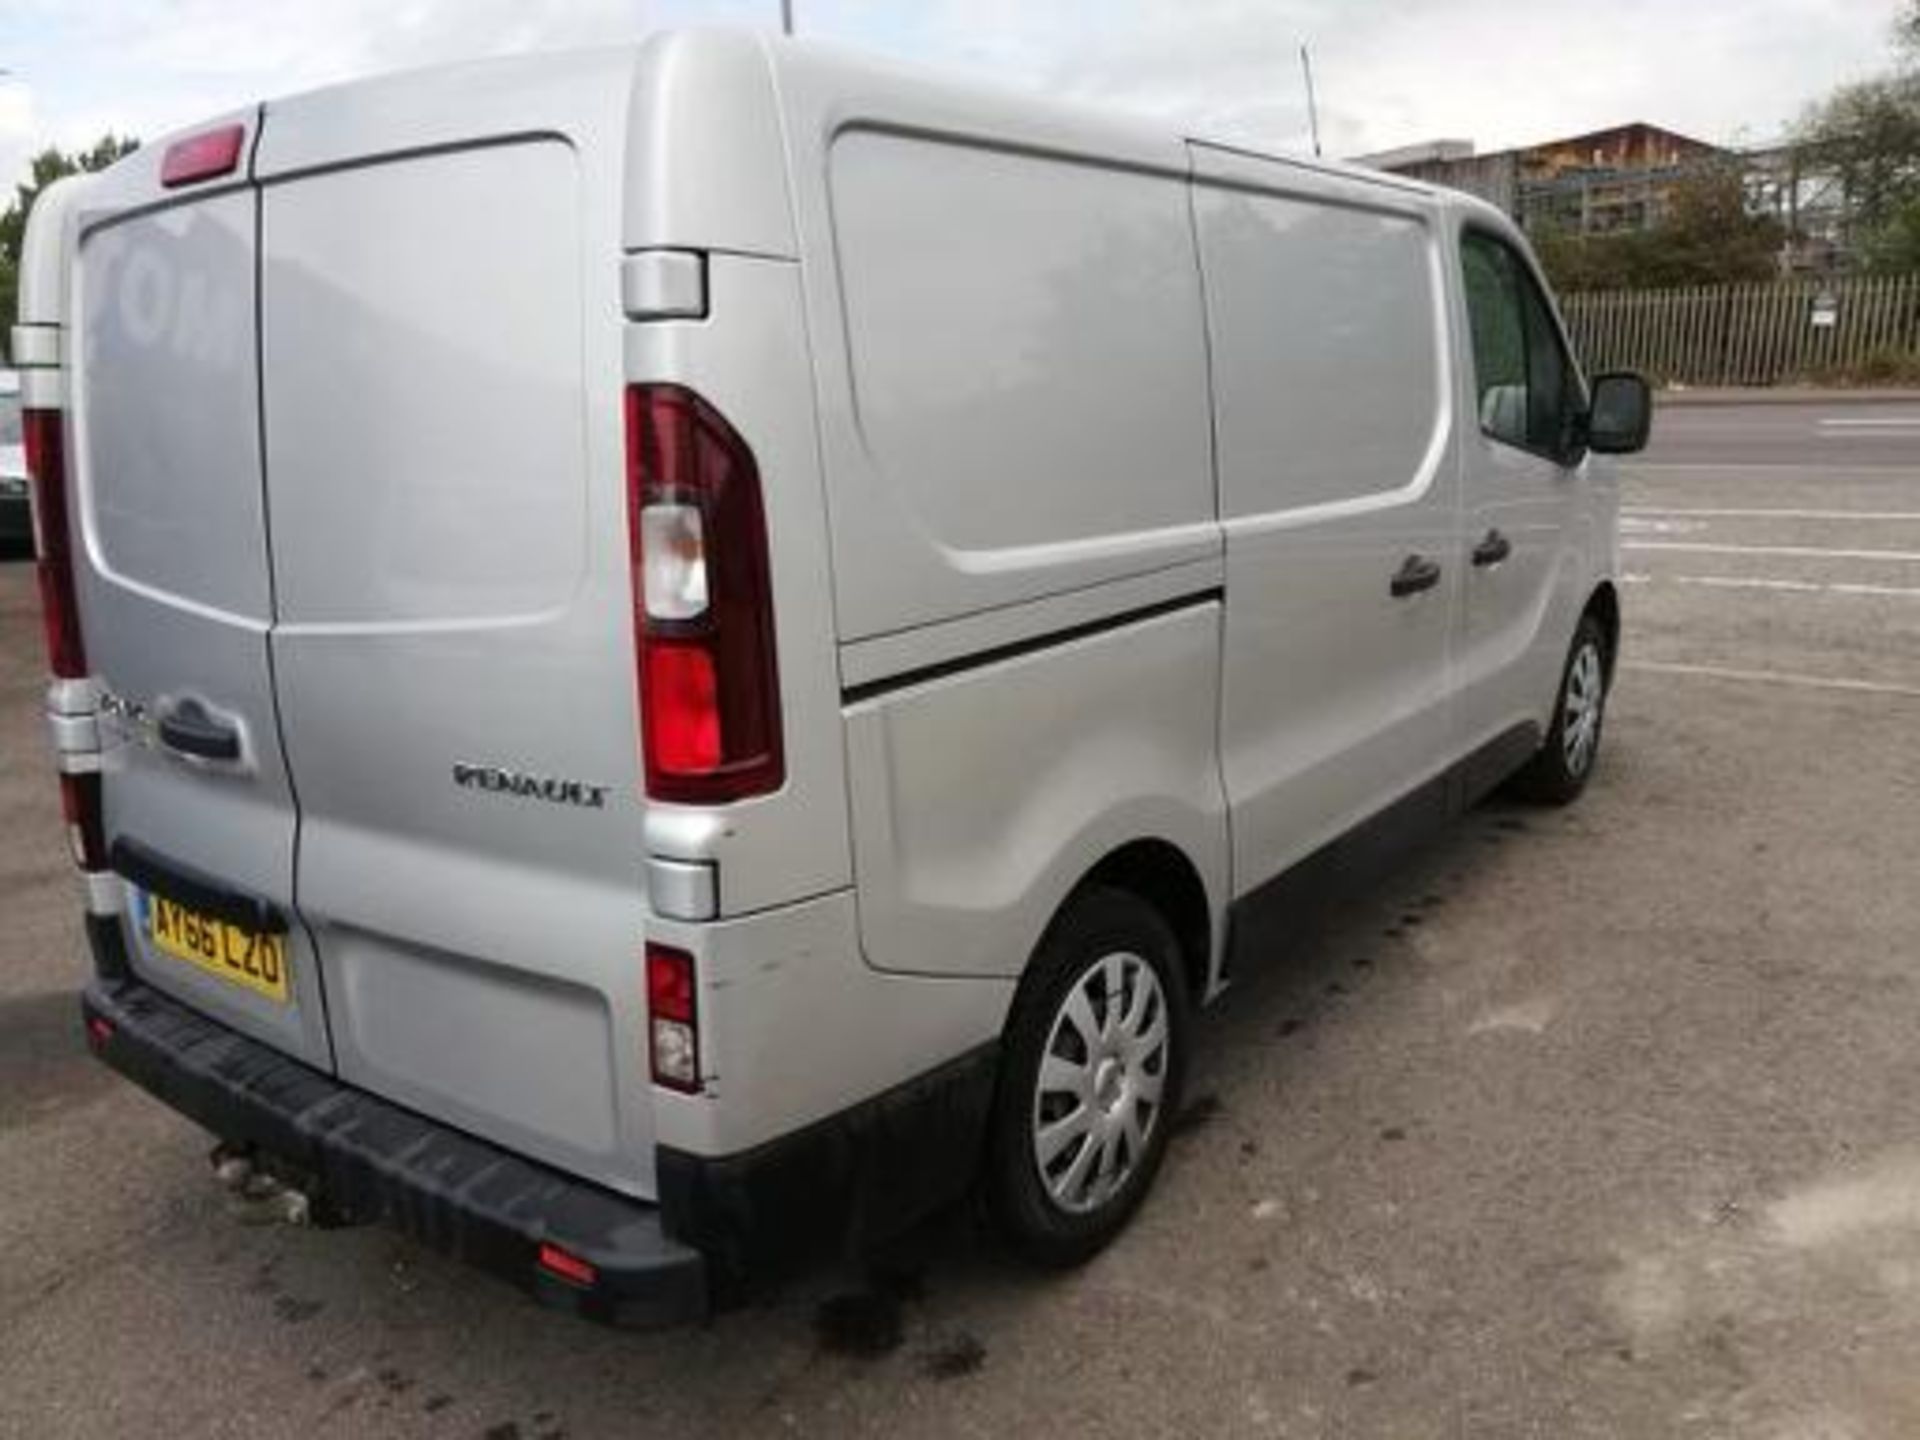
(1527, 389)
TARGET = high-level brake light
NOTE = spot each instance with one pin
(205, 156)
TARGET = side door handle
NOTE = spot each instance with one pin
(189, 730)
(1416, 573)
(1493, 549)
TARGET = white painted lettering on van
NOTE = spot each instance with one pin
(187, 310)
(144, 298)
(206, 321)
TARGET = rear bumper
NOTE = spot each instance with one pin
(375, 1161)
(725, 1226)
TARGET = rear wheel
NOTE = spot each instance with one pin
(1091, 1076)
(1559, 772)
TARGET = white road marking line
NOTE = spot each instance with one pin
(1803, 552)
(1656, 512)
(1737, 582)
(1759, 582)
(1647, 525)
(1641, 467)
(1844, 588)
(1876, 422)
(1773, 677)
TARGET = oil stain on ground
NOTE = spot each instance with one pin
(864, 1324)
(1196, 1114)
(962, 1355)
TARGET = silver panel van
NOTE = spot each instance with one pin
(663, 659)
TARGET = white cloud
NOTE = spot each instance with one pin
(1389, 71)
(17, 130)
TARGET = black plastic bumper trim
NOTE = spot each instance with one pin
(375, 1161)
(839, 1188)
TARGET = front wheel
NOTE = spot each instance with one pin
(1091, 1077)
(1559, 772)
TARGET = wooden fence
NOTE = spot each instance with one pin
(1748, 334)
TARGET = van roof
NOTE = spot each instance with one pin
(839, 64)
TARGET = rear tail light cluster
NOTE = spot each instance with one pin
(86, 830)
(44, 434)
(674, 1031)
(703, 606)
(46, 447)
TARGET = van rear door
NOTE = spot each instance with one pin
(440, 331)
(177, 589)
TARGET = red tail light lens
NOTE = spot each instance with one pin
(86, 827)
(682, 710)
(568, 1266)
(703, 603)
(46, 447)
(202, 157)
(672, 1024)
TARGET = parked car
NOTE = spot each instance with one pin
(16, 518)
(682, 653)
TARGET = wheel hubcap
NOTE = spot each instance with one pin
(1097, 1099)
(1580, 709)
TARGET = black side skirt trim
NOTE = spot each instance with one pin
(920, 675)
(1263, 919)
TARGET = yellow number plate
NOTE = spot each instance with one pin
(235, 954)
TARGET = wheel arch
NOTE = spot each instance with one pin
(1162, 874)
(1604, 606)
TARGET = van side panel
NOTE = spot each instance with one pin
(1008, 350)
(1332, 384)
(980, 799)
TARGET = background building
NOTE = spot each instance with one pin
(1594, 184)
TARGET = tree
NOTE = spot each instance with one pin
(1707, 237)
(46, 167)
(1867, 137)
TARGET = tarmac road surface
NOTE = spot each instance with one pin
(1595, 1122)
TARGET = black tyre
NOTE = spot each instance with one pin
(1091, 1073)
(1559, 772)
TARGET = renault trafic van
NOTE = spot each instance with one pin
(664, 659)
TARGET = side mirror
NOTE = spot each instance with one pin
(1621, 414)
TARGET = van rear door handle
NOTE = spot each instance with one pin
(189, 730)
(1493, 549)
(1416, 573)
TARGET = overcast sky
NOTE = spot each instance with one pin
(1390, 72)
